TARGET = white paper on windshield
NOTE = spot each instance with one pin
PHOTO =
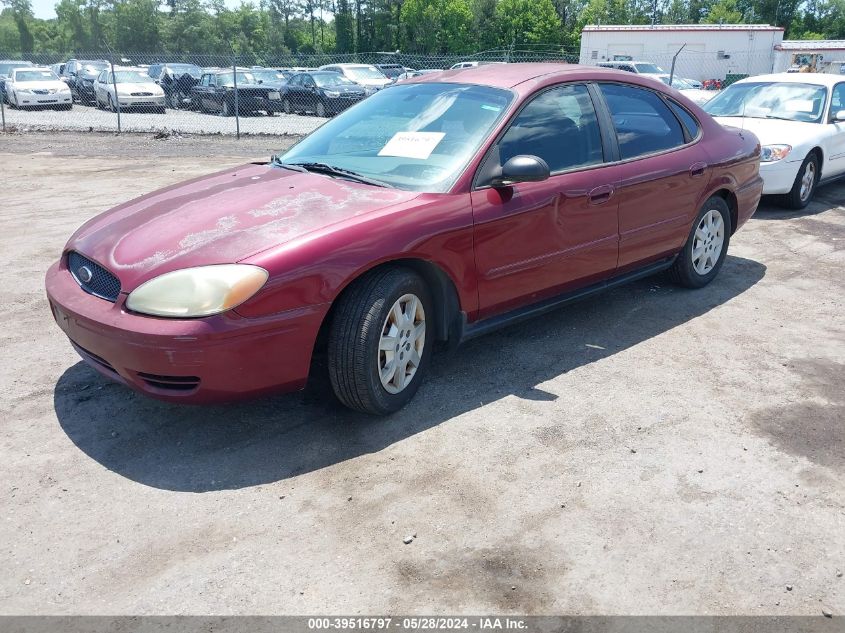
(799, 105)
(412, 144)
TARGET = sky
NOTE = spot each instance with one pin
(45, 9)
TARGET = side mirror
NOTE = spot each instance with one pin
(522, 168)
(839, 117)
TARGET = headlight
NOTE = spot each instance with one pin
(332, 95)
(23, 91)
(771, 153)
(197, 292)
(63, 88)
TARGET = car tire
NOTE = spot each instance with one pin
(227, 109)
(379, 323)
(286, 106)
(112, 107)
(321, 109)
(700, 260)
(805, 183)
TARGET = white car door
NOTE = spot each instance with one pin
(836, 139)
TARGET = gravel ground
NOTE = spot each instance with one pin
(650, 451)
(84, 118)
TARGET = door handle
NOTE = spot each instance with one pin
(697, 169)
(601, 194)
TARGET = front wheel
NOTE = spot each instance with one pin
(321, 109)
(706, 247)
(286, 106)
(379, 346)
(805, 183)
(227, 109)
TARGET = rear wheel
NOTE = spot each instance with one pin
(378, 347)
(805, 183)
(707, 245)
(112, 107)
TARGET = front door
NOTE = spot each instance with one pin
(535, 240)
(836, 144)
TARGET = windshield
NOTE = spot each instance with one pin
(392, 71)
(35, 75)
(6, 69)
(268, 76)
(181, 69)
(364, 73)
(418, 137)
(128, 77)
(677, 82)
(229, 80)
(787, 100)
(648, 68)
(325, 80)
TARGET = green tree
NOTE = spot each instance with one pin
(21, 13)
(527, 22)
(438, 26)
(724, 12)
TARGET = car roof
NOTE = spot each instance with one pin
(32, 68)
(511, 75)
(823, 79)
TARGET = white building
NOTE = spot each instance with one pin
(830, 55)
(711, 51)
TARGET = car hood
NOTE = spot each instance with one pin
(52, 84)
(775, 131)
(698, 96)
(222, 218)
(342, 89)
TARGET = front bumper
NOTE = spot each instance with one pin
(779, 176)
(221, 358)
(128, 101)
(56, 98)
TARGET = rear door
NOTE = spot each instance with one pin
(538, 239)
(663, 172)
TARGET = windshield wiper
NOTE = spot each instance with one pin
(276, 162)
(780, 118)
(324, 168)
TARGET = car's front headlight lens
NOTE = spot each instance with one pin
(63, 88)
(771, 153)
(23, 91)
(197, 292)
(332, 95)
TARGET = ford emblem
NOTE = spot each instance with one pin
(84, 273)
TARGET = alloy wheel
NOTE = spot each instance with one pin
(808, 180)
(401, 343)
(708, 242)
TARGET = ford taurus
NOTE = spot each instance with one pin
(432, 212)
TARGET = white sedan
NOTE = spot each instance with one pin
(800, 121)
(34, 87)
(135, 89)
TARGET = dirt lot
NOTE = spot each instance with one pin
(653, 450)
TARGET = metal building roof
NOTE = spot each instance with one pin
(811, 45)
(681, 27)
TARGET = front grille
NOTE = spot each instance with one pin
(102, 283)
(44, 91)
(171, 383)
(141, 94)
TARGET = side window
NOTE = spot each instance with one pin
(686, 118)
(644, 124)
(308, 82)
(205, 80)
(559, 126)
(102, 77)
(627, 68)
(837, 100)
(295, 80)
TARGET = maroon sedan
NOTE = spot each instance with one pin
(434, 211)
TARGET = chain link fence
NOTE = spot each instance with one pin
(269, 94)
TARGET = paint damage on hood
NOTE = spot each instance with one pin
(222, 218)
